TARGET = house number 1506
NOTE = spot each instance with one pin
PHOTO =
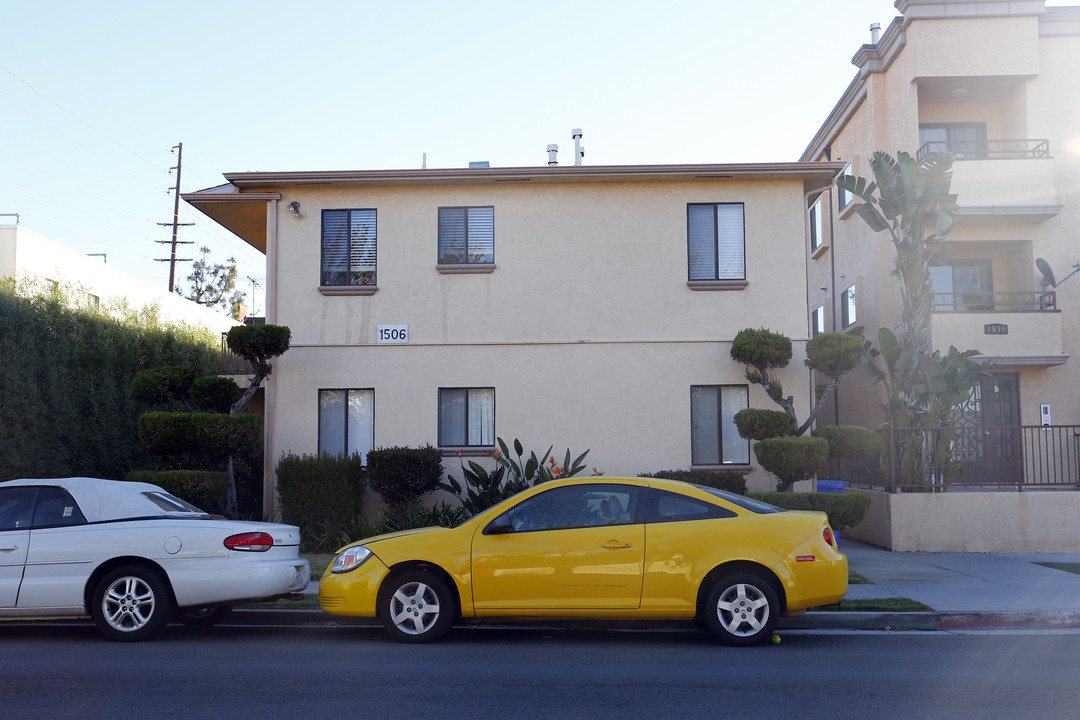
(393, 333)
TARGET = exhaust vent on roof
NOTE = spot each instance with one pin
(479, 164)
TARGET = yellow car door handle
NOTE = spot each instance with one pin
(615, 544)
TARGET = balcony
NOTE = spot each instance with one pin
(1011, 173)
(1012, 329)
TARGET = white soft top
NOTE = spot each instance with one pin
(102, 500)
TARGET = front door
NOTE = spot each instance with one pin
(988, 443)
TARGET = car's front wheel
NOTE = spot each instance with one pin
(131, 603)
(742, 609)
(417, 607)
(203, 615)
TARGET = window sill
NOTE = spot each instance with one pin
(475, 451)
(854, 329)
(716, 284)
(821, 250)
(465, 268)
(348, 289)
(744, 469)
(847, 210)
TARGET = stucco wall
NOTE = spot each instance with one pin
(1028, 522)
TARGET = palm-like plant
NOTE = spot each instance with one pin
(913, 204)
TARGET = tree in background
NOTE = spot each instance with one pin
(215, 285)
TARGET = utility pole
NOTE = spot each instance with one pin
(172, 259)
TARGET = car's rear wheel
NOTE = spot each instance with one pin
(742, 609)
(131, 603)
(203, 615)
(417, 606)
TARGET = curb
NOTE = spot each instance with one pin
(1039, 620)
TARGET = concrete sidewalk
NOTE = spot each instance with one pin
(965, 590)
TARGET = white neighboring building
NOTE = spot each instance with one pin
(26, 254)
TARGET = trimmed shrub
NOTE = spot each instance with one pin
(401, 475)
(214, 434)
(322, 495)
(258, 343)
(835, 353)
(728, 480)
(214, 394)
(162, 385)
(756, 424)
(845, 510)
(761, 348)
(792, 459)
(205, 489)
(850, 441)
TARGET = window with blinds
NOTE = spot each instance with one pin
(715, 241)
(466, 235)
(347, 422)
(348, 247)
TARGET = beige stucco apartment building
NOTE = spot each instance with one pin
(995, 83)
(580, 307)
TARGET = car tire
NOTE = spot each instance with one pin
(131, 603)
(742, 609)
(203, 615)
(417, 606)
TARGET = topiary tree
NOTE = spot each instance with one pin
(257, 344)
(763, 351)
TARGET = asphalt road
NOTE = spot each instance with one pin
(347, 672)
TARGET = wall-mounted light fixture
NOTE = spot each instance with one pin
(295, 207)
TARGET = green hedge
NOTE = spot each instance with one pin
(845, 510)
(204, 489)
(401, 475)
(850, 441)
(214, 434)
(322, 495)
(728, 480)
(65, 383)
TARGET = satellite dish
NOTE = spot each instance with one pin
(1047, 273)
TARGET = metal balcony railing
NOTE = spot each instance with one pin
(1001, 302)
(986, 149)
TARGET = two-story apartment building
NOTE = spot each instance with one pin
(585, 307)
(994, 83)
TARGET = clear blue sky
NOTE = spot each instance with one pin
(93, 95)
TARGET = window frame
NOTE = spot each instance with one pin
(817, 225)
(468, 266)
(695, 460)
(715, 282)
(478, 447)
(844, 198)
(638, 498)
(849, 300)
(817, 321)
(345, 425)
(349, 288)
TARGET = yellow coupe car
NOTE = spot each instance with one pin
(597, 547)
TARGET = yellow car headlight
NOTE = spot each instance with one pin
(351, 559)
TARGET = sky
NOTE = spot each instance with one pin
(93, 96)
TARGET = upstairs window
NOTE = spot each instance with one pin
(348, 248)
(816, 240)
(466, 235)
(466, 417)
(848, 307)
(817, 321)
(715, 241)
(966, 141)
(844, 197)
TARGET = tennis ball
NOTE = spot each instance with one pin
(776, 639)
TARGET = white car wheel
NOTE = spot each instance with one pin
(131, 603)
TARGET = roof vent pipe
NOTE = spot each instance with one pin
(553, 150)
(875, 33)
(579, 151)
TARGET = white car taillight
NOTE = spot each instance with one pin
(250, 542)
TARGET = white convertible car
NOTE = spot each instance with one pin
(131, 556)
